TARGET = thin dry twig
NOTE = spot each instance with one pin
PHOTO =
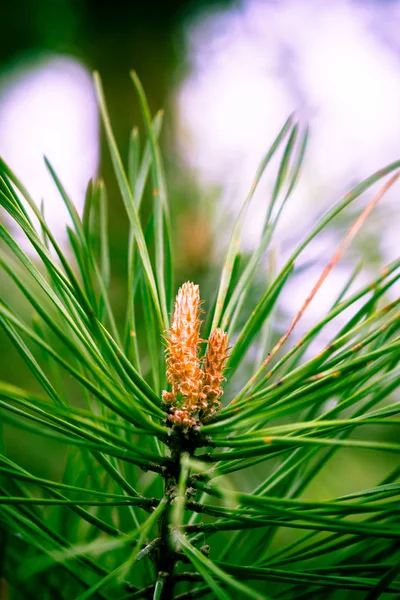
(334, 260)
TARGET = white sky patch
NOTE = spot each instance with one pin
(48, 107)
(334, 63)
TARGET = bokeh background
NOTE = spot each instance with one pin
(227, 74)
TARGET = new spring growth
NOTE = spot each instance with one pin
(196, 383)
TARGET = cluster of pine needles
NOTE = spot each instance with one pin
(193, 453)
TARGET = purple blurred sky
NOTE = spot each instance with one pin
(336, 64)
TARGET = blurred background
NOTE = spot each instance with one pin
(228, 74)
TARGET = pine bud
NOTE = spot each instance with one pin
(214, 365)
(195, 387)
